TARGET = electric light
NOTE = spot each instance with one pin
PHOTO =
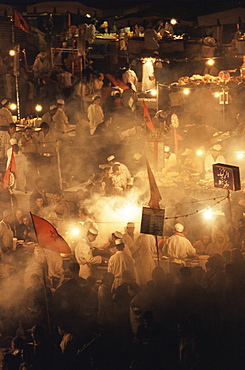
(12, 53)
(153, 92)
(208, 214)
(38, 108)
(216, 94)
(210, 62)
(186, 91)
(13, 106)
(173, 21)
(240, 155)
(199, 152)
(75, 231)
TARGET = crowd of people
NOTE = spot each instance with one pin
(116, 305)
(121, 299)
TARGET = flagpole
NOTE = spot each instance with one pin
(44, 280)
(58, 164)
(13, 30)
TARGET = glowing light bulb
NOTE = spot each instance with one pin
(153, 92)
(240, 155)
(12, 53)
(75, 231)
(199, 152)
(38, 108)
(186, 91)
(13, 106)
(210, 62)
(216, 94)
(173, 21)
(208, 214)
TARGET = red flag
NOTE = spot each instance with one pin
(20, 22)
(10, 173)
(147, 119)
(155, 194)
(48, 237)
(116, 81)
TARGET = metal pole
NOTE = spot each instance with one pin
(58, 163)
(16, 74)
(157, 96)
(158, 258)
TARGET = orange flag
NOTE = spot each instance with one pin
(116, 81)
(10, 173)
(147, 118)
(155, 194)
(20, 22)
(48, 237)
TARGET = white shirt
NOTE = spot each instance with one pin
(95, 116)
(85, 258)
(178, 247)
(130, 76)
(61, 120)
(119, 262)
(90, 33)
(5, 117)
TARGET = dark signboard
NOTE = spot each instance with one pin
(152, 221)
(226, 177)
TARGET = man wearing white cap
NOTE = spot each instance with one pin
(141, 248)
(119, 262)
(8, 135)
(41, 65)
(170, 161)
(21, 165)
(49, 117)
(60, 117)
(212, 158)
(112, 160)
(177, 247)
(129, 237)
(84, 253)
(95, 114)
(5, 115)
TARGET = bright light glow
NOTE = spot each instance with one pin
(149, 61)
(12, 53)
(216, 94)
(75, 231)
(38, 108)
(208, 214)
(240, 155)
(210, 62)
(173, 21)
(153, 92)
(186, 91)
(13, 106)
(88, 15)
(199, 152)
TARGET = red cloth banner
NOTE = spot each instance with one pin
(116, 81)
(147, 118)
(20, 22)
(48, 237)
(155, 194)
(11, 171)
